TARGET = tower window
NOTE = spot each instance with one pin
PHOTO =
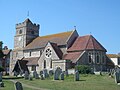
(20, 32)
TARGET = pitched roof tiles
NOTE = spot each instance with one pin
(87, 42)
(40, 42)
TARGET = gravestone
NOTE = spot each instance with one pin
(18, 86)
(117, 77)
(36, 76)
(41, 77)
(34, 73)
(0, 76)
(57, 73)
(51, 72)
(45, 73)
(1, 84)
(62, 76)
(26, 76)
(30, 78)
(77, 76)
(66, 73)
(41, 72)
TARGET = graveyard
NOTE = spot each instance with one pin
(85, 82)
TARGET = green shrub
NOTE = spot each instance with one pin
(83, 69)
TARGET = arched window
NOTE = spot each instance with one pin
(98, 58)
(44, 63)
(30, 53)
(103, 59)
(51, 64)
(90, 58)
(20, 32)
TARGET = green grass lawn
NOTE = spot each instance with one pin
(87, 82)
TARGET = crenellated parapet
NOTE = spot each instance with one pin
(27, 23)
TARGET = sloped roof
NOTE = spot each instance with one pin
(57, 50)
(87, 42)
(113, 55)
(73, 56)
(40, 42)
(31, 61)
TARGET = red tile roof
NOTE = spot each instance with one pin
(87, 42)
(73, 56)
(40, 42)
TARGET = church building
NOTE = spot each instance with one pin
(65, 50)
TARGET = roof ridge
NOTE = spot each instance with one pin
(93, 42)
(57, 33)
(87, 43)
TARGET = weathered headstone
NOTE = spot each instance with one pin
(1, 84)
(66, 73)
(36, 76)
(0, 76)
(62, 76)
(57, 73)
(41, 77)
(34, 73)
(18, 86)
(51, 72)
(41, 72)
(26, 76)
(45, 73)
(30, 78)
(77, 76)
(117, 77)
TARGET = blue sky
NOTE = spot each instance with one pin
(100, 17)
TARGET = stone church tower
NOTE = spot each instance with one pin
(26, 32)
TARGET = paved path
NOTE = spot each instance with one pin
(32, 87)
